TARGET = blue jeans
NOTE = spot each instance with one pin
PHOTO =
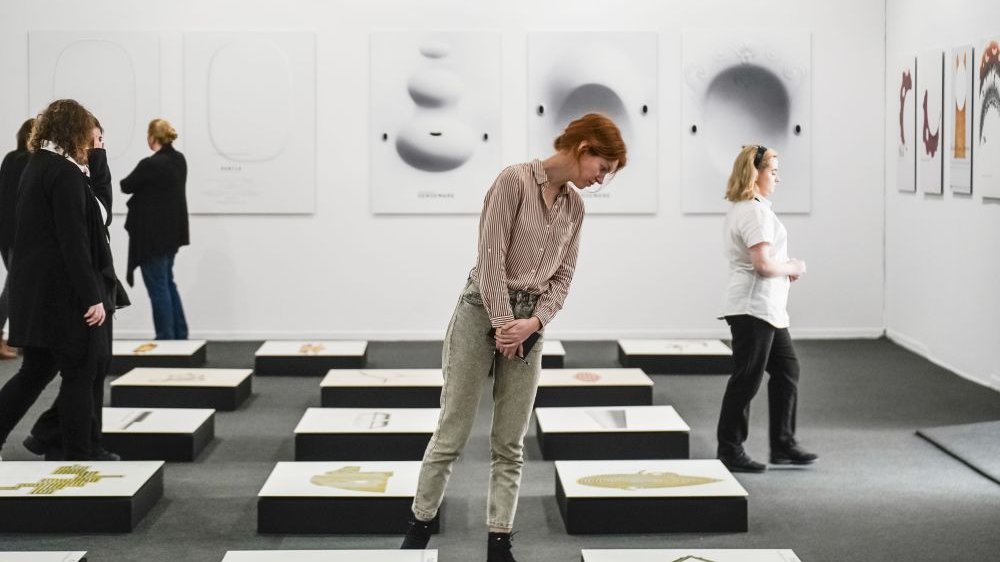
(168, 313)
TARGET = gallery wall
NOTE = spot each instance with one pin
(942, 250)
(344, 272)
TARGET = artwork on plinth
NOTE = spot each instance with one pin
(368, 420)
(384, 377)
(154, 420)
(745, 87)
(141, 348)
(689, 555)
(43, 556)
(987, 110)
(594, 377)
(249, 132)
(647, 479)
(337, 479)
(904, 137)
(962, 65)
(930, 121)
(328, 348)
(674, 347)
(123, 91)
(435, 121)
(149, 376)
(609, 419)
(69, 479)
(332, 556)
(614, 73)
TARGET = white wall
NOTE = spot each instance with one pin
(346, 273)
(942, 252)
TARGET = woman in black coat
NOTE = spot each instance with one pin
(62, 281)
(157, 225)
(10, 177)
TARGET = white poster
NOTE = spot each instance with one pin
(987, 108)
(930, 121)
(114, 74)
(962, 65)
(435, 120)
(250, 122)
(614, 73)
(745, 87)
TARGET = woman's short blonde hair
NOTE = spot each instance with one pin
(742, 183)
(162, 131)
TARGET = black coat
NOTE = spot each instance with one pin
(10, 176)
(60, 264)
(157, 221)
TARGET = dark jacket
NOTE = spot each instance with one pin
(10, 176)
(61, 259)
(157, 221)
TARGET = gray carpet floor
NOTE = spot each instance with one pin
(975, 444)
(879, 491)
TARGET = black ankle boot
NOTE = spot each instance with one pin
(498, 548)
(417, 535)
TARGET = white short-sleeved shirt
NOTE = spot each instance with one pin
(749, 223)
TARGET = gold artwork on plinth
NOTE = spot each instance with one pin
(312, 349)
(82, 476)
(351, 478)
(644, 480)
(144, 347)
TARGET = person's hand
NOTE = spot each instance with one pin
(509, 351)
(98, 138)
(798, 267)
(516, 331)
(95, 315)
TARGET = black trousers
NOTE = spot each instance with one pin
(74, 405)
(47, 429)
(759, 347)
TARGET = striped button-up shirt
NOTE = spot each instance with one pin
(524, 246)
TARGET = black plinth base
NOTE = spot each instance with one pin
(80, 514)
(121, 364)
(308, 365)
(325, 515)
(360, 447)
(225, 398)
(176, 447)
(678, 364)
(652, 515)
(552, 361)
(380, 397)
(562, 396)
(613, 445)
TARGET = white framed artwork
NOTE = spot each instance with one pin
(250, 122)
(435, 121)
(614, 73)
(987, 118)
(930, 121)
(745, 87)
(122, 90)
(961, 65)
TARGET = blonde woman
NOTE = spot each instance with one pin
(760, 273)
(157, 225)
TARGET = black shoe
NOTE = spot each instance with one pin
(105, 455)
(792, 455)
(742, 463)
(34, 445)
(498, 548)
(417, 535)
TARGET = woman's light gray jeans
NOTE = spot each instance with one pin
(468, 359)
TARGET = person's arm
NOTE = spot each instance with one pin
(100, 177)
(139, 178)
(495, 223)
(766, 266)
(69, 210)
